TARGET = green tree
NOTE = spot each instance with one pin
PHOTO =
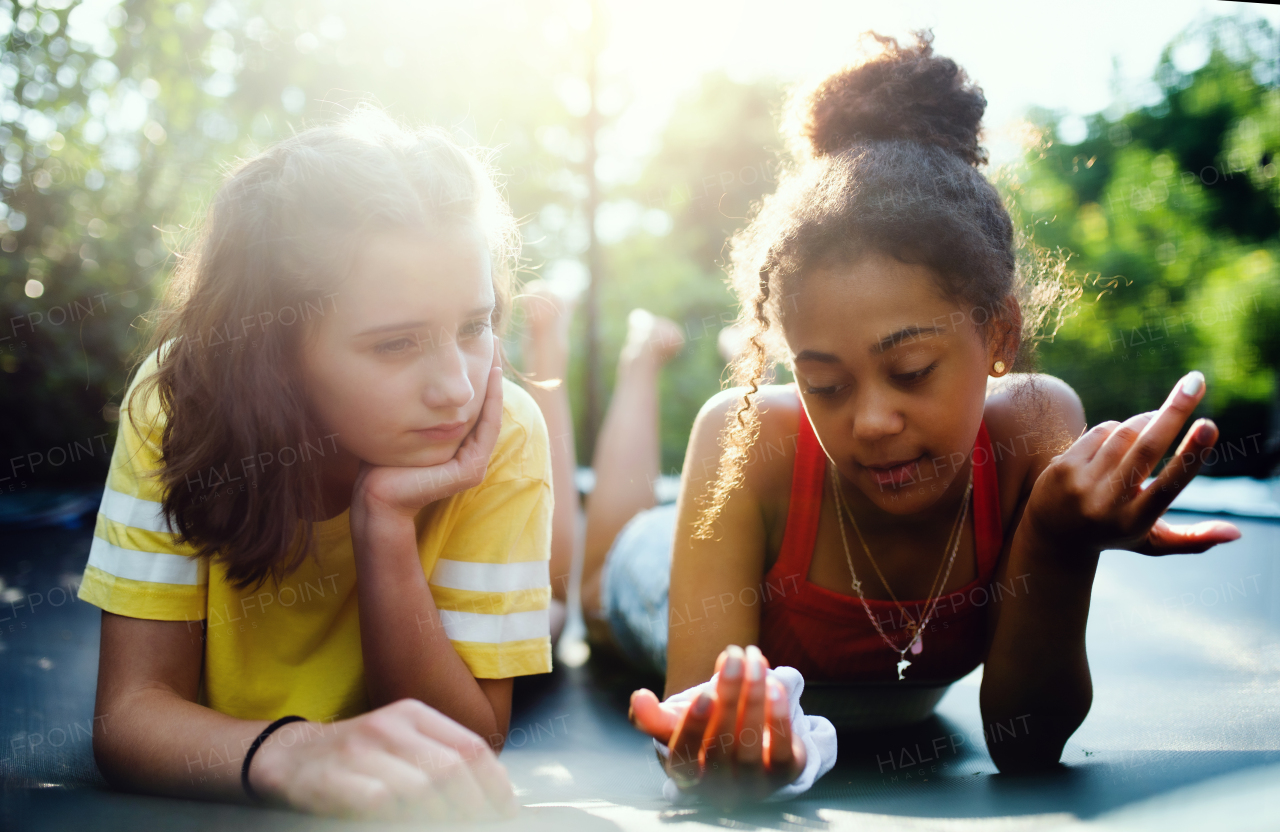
(118, 118)
(1174, 209)
(717, 156)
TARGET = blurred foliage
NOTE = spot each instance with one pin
(1173, 209)
(117, 118)
(718, 155)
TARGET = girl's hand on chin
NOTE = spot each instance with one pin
(404, 761)
(731, 746)
(405, 491)
(1093, 494)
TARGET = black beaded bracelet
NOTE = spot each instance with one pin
(253, 749)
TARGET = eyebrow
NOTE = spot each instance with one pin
(886, 343)
(896, 339)
(814, 355)
(374, 330)
(403, 325)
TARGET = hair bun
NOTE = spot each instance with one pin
(901, 93)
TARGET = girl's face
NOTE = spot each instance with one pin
(398, 364)
(892, 375)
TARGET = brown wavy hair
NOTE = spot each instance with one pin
(885, 158)
(282, 232)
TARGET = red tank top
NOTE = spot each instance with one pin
(828, 636)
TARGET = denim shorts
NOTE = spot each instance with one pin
(634, 587)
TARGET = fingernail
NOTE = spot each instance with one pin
(1193, 383)
(732, 668)
(754, 671)
(701, 705)
(1204, 431)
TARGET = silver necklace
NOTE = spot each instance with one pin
(916, 629)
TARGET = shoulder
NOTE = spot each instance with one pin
(772, 454)
(519, 410)
(1034, 402)
(523, 448)
(1031, 418)
(778, 404)
(144, 408)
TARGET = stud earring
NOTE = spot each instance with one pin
(998, 367)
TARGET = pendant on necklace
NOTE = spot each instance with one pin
(902, 665)
(917, 645)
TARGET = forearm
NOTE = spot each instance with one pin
(1036, 681)
(407, 653)
(152, 740)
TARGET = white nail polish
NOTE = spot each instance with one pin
(753, 670)
(1193, 383)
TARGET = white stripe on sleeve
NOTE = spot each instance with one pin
(134, 512)
(152, 567)
(495, 629)
(491, 577)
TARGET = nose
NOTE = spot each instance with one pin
(446, 385)
(876, 416)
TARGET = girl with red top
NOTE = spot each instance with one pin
(911, 507)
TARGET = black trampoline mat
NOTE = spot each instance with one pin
(1184, 732)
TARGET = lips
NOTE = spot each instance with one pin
(444, 432)
(895, 474)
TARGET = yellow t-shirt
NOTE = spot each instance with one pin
(293, 647)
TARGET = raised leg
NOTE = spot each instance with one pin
(546, 357)
(626, 457)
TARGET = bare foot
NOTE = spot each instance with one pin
(545, 315)
(649, 335)
(731, 343)
(542, 309)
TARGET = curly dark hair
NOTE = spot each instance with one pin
(886, 156)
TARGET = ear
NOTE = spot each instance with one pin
(1006, 333)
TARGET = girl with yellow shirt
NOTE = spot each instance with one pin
(322, 552)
